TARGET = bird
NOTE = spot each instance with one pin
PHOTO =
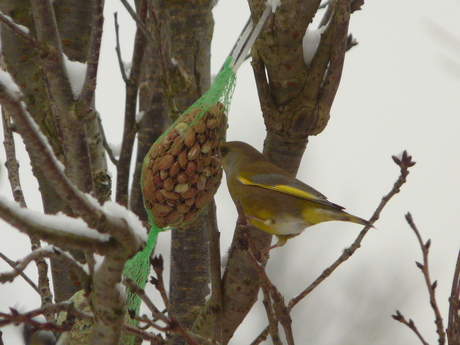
(273, 200)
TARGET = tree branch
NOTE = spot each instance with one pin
(81, 205)
(72, 128)
(453, 326)
(22, 274)
(130, 126)
(46, 252)
(83, 106)
(399, 317)
(31, 223)
(426, 274)
(17, 30)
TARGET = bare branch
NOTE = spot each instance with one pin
(399, 317)
(87, 93)
(271, 293)
(12, 166)
(357, 243)
(266, 286)
(430, 286)
(130, 284)
(72, 126)
(172, 324)
(80, 204)
(22, 274)
(157, 264)
(130, 126)
(108, 149)
(118, 50)
(46, 252)
(155, 39)
(453, 326)
(16, 318)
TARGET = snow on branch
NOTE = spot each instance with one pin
(81, 205)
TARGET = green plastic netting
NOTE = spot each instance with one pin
(182, 170)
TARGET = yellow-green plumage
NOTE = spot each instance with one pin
(273, 200)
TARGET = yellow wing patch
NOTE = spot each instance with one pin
(281, 188)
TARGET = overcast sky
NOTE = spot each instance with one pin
(399, 90)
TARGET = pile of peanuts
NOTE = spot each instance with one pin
(182, 170)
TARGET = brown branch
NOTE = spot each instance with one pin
(16, 318)
(267, 301)
(155, 39)
(86, 97)
(157, 264)
(130, 126)
(172, 324)
(11, 164)
(38, 147)
(271, 293)
(404, 165)
(21, 265)
(107, 148)
(118, 49)
(72, 127)
(156, 313)
(173, 111)
(216, 277)
(22, 274)
(399, 317)
(426, 274)
(34, 43)
(261, 337)
(12, 167)
(453, 326)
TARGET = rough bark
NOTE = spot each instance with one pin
(295, 100)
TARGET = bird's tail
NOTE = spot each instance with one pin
(358, 220)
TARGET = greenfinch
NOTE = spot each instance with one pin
(273, 200)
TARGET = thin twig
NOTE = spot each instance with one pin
(272, 295)
(108, 149)
(173, 111)
(16, 318)
(157, 264)
(118, 50)
(86, 97)
(453, 326)
(22, 274)
(155, 39)
(130, 125)
(130, 284)
(404, 165)
(399, 317)
(172, 324)
(266, 286)
(426, 274)
(216, 274)
(12, 166)
(46, 252)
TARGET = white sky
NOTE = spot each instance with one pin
(399, 91)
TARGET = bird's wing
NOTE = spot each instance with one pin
(280, 181)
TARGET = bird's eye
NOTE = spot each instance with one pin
(223, 151)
